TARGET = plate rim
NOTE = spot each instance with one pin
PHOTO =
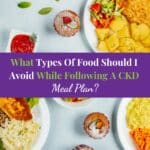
(124, 102)
(94, 49)
(46, 122)
(60, 102)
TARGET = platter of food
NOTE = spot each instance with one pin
(117, 26)
(73, 102)
(133, 123)
(23, 123)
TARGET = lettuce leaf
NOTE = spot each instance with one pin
(32, 101)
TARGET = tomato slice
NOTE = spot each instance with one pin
(106, 22)
(22, 44)
(96, 23)
(96, 7)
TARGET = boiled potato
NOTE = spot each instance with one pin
(139, 47)
(139, 32)
(112, 42)
(102, 33)
(102, 46)
(127, 45)
(134, 31)
(146, 50)
(118, 23)
(124, 32)
(144, 31)
(146, 42)
(126, 49)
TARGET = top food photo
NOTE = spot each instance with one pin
(114, 26)
(118, 25)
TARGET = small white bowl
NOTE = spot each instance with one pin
(16, 32)
(73, 105)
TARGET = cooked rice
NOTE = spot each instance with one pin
(18, 135)
(138, 11)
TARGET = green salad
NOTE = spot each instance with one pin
(32, 101)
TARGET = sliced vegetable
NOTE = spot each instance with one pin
(103, 12)
(45, 10)
(96, 23)
(24, 4)
(96, 7)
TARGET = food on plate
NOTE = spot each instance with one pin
(118, 23)
(138, 114)
(141, 138)
(138, 121)
(18, 129)
(103, 12)
(137, 11)
(146, 42)
(139, 32)
(16, 108)
(83, 147)
(114, 29)
(112, 42)
(32, 101)
(124, 38)
(23, 43)
(102, 33)
(67, 23)
(17, 135)
(102, 45)
(74, 99)
(96, 125)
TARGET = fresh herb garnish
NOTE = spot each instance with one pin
(24, 4)
(45, 10)
(1, 145)
(33, 37)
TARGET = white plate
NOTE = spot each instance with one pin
(69, 105)
(89, 28)
(14, 33)
(122, 129)
(42, 116)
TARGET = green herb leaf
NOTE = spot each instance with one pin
(33, 37)
(45, 10)
(1, 145)
(24, 4)
(32, 101)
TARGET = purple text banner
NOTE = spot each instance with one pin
(74, 75)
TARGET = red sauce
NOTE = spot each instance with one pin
(22, 44)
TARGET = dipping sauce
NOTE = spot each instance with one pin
(23, 43)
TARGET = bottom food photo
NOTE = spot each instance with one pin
(74, 123)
